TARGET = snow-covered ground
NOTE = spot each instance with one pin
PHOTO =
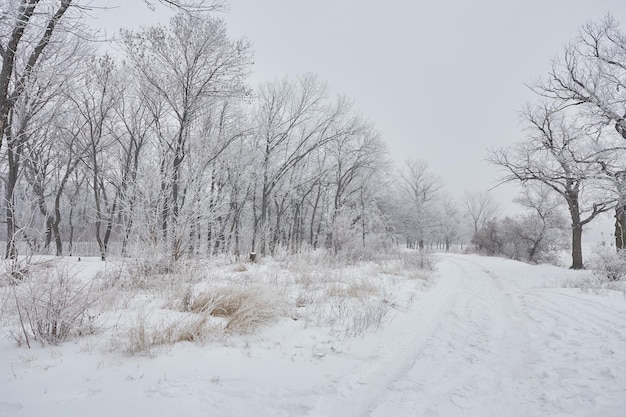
(489, 337)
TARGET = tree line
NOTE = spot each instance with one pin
(167, 149)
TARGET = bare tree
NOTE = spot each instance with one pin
(541, 231)
(187, 67)
(590, 75)
(420, 187)
(29, 83)
(190, 5)
(449, 221)
(27, 27)
(353, 157)
(292, 120)
(557, 153)
(480, 206)
(50, 161)
(96, 95)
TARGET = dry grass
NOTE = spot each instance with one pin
(216, 299)
(236, 310)
(141, 338)
(595, 283)
(249, 309)
(356, 289)
(244, 309)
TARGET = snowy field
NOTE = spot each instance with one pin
(478, 337)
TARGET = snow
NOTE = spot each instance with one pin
(489, 337)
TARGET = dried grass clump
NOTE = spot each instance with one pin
(244, 308)
(356, 289)
(253, 310)
(141, 338)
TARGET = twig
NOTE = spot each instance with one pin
(19, 312)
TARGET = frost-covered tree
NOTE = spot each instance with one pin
(42, 49)
(480, 206)
(589, 76)
(450, 223)
(542, 231)
(419, 187)
(190, 69)
(557, 153)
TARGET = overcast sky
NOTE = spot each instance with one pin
(443, 80)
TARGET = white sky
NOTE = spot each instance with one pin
(442, 80)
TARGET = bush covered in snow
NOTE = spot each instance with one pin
(523, 238)
(610, 265)
(52, 304)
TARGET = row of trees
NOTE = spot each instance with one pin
(576, 130)
(167, 148)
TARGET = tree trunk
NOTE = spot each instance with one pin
(620, 227)
(313, 237)
(98, 221)
(71, 225)
(58, 243)
(48, 239)
(577, 252)
(14, 160)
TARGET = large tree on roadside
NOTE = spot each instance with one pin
(591, 75)
(557, 153)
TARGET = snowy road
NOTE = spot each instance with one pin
(487, 342)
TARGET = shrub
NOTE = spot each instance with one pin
(525, 238)
(54, 304)
(420, 259)
(611, 265)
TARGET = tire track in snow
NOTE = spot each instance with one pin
(582, 371)
(357, 393)
(483, 346)
(578, 369)
(451, 356)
